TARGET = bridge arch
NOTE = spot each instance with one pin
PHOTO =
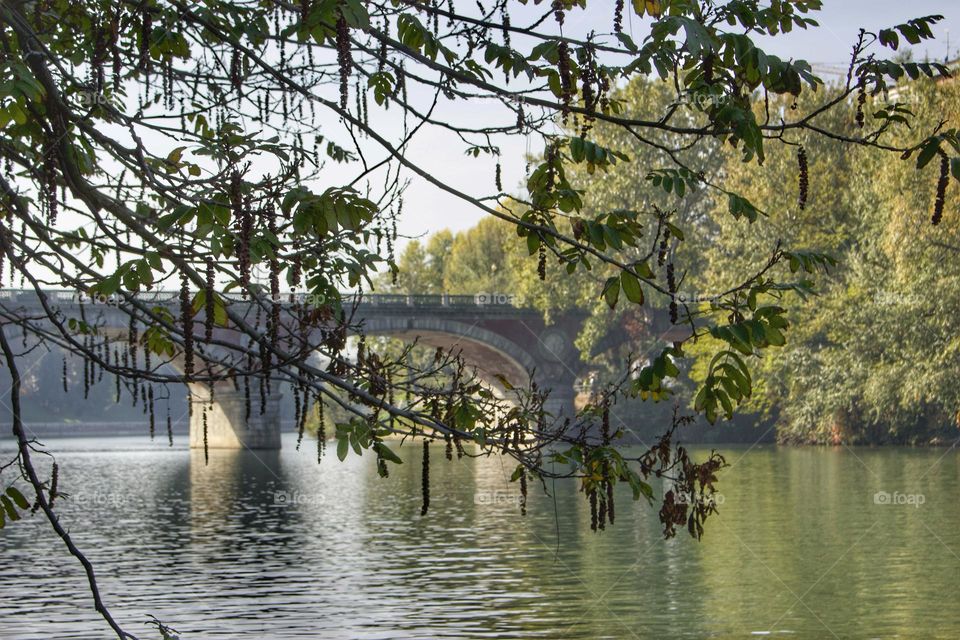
(489, 353)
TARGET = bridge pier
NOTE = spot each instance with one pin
(227, 425)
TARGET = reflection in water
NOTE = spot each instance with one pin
(271, 545)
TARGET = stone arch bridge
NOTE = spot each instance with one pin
(495, 337)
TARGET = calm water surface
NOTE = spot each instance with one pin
(271, 545)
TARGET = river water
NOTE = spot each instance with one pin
(810, 543)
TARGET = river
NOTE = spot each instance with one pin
(809, 543)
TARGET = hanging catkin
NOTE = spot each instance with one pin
(321, 429)
(804, 177)
(344, 58)
(942, 184)
(186, 323)
(425, 478)
(209, 300)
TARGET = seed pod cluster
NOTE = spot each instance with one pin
(672, 286)
(804, 177)
(542, 263)
(942, 184)
(344, 57)
(321, 430)
(206, 446)
(425, 479)
(662, 253)
(505, 23)
(523, 492)
(618, 17)
(236, 70)
(861, 101)
(49, 187)
(566, 79)
(558, 12)
(153, 423)
(209, 302)
(54, 481)
(186, 321)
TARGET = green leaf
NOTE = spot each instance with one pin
(631, 287)
(643, 269)
(611, 291)
(9, 508)
(343, 446)
(18, 497)
(387, 453)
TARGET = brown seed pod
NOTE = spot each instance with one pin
(209, 302)
(672, 286)
(425, 478)
(321, 429)
(153, 422)
(523, 492)
(592, 496)
(942, 184)
(186, 322)
(344, 57)
(804, 177)
(610, 507)
(206, 447)
(861, 101)
(566, 79)
(558, 11)
(54, 481)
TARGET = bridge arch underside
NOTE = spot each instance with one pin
(488, 353)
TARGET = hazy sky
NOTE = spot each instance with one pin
(428, 209)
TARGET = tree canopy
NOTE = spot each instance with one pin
(237, 150)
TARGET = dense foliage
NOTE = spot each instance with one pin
(872, 349)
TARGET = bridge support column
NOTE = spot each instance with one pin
(227, 425)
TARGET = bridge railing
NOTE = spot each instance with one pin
(376, 299)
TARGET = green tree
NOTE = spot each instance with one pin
(478, 261)
(871, 356)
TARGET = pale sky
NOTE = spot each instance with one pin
(427, 209)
